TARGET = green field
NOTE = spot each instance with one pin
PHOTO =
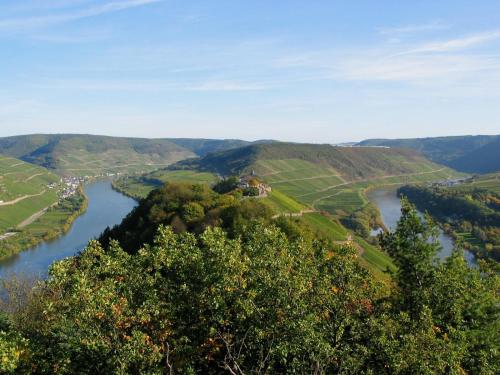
(30, 207)
(371, 256)
(140, 186)
(282, 203)
(24, 191)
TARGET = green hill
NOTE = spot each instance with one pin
(347, 162)
(32, 208)
(93, 155)
(324, 177)
(471, 154)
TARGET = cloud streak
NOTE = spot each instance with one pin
(412, 29)
(29, 23)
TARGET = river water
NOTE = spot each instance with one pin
(389, 205)
(106, 207)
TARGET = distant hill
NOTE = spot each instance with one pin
(350, 162)
(485, 159)
(471, 154)
(76, 154)
(202, 147)
(69, 154)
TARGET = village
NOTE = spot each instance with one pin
(253, 186)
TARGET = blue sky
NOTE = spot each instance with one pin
(307, 71)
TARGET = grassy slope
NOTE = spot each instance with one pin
(19, 179)
(327, 185)
(93, 155)
(36, 218)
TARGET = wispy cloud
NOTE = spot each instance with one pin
(429, 62)
(225, 85)
(34, 22)
(412, 29)
(456, 44)
(152, 86)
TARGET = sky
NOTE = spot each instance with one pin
(305, 71)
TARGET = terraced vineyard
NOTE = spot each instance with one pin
(90, 155)
(24, 191)
(321, 187)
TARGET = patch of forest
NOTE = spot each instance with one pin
(473, 215)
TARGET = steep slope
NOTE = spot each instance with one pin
(202, 147)
(485, 159)
(348, 162)
(93, 155)
(324, 177)
(451, 151)
(25, 190)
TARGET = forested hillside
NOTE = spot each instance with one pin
(485, 159)
(202, 147)
(471, 154)
(470, 212)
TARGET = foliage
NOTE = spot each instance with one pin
(475, 211)
(262, 298)
(185, 206)
(203, 304)
(226, 185)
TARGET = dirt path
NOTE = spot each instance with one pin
(309, 178)
(294, 214)
(17, 200)
(34, 217)
(32, 177)
(7, 235)
(370, 179)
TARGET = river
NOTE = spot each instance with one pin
(106, 207)
(390, 210)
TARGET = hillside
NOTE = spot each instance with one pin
(485, 159)
(471, 154)
(202, 147)
(310, 160)
(24, 191)
(93, 155)
(34, 205)
(326, 178)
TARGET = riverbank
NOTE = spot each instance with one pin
(52, 223)
(106, 208)
(119, 189)
(389, 205)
